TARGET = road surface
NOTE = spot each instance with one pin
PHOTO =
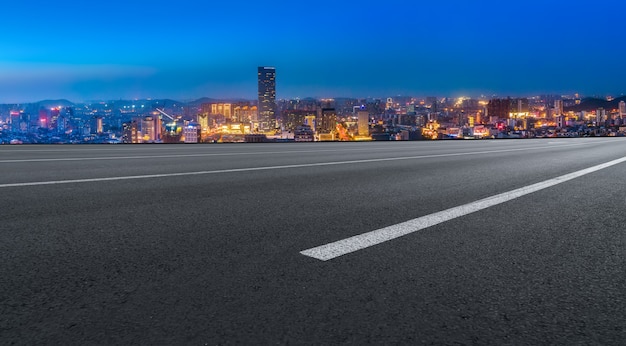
(451, 242)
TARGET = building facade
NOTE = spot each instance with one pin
(267, 98)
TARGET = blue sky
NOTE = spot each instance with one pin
(187, 49)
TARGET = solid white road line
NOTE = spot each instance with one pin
(362, 241)
(266, 168)
(69, 159)
(203, 155)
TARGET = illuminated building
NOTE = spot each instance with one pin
(363, 117)
(303, 133)
(148, 130)
(54, 116)
(267, 98)
(310, 120)
(622, 109)
(191, 133)
(519, 112)
(130, 132)
(470, 104)
(172, 133)
(245, 113)
(224, 109)
(295, 118)
(64, 119)
(431, 130)
(99, 125)
(158, 125)
(203, 121)
(328, 121)
(44, 119)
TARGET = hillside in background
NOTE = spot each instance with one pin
(591, 104)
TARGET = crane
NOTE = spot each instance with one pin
(167, 115)
(172, 127)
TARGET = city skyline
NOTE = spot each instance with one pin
(188, 50)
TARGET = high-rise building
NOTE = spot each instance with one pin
(267, 98)
(54, 115)
(499, 108)
(99, 125)
(328, 121)
(295, 118)
(622, 109)
(148, 129)
(600, 115)
(363, 123)
(224, 109)
(15, 121)
(203, 121)
(130, 132)
(64, 119)
(519, 108)
(244, 113)
(43, 120)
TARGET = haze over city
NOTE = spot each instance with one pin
(187, 50)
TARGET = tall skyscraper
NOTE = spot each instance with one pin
(267, 98)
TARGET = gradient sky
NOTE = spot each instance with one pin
(186, 49)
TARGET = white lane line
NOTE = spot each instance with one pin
(198, 155)
(365, 240)
(233, 154)
(266, 168)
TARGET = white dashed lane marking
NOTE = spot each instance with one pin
(379, 236)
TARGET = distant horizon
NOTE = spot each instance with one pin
(195, 99)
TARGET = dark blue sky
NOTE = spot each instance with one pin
(186, 49)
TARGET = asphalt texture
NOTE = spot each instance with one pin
(214, 257)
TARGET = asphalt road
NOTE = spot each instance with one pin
(201, 244)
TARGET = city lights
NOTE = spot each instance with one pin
(269, 118)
